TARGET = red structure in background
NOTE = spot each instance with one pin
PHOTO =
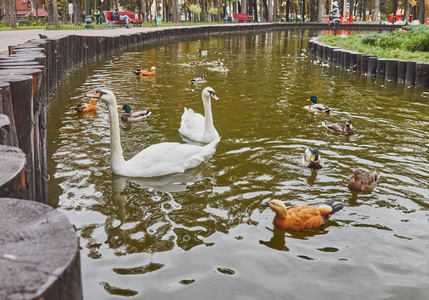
(344, 19)
(399, 16)
(339, 32)
(23, 7)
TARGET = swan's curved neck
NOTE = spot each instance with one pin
(207, 114)
(116, 157)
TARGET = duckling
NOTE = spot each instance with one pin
(203, 52)
(312, 159)
(197, 63)
(317, 106)
(87, 107)
(216, 62)
(302, 217)
(135, 116)
(144, 72)
(362, 182)
(199, 79)
(346, 129)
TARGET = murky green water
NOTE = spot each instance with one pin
(203, 234)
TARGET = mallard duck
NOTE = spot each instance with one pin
(362, 182)
(155, 160)
(346, 129)
(87, 107)
(199, 79)
(216, 62)
(203, 52)
(302, 217)
(312, 159)
(197, 127)
(317, 106)
(134, 116)
(145, 73)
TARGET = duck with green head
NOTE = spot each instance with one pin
(312, 159)
(317, 106)
(134, 116)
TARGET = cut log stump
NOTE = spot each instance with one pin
(39, 253)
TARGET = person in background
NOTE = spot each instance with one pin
(97, 16)
(117, 17)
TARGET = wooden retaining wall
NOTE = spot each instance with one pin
(28, 78)
(402, 71)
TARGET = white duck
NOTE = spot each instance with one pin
(196, 127)
(156, 160)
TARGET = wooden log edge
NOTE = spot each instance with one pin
(39, 253)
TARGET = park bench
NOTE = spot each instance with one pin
(131, 14)
(241, 17)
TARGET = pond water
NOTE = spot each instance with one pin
(204, 233)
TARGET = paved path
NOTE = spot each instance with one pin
(15, 37)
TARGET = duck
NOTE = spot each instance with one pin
(302, 217)
(145, 73)
(312, 159)
(156, 160)
(317, 106)
(216, 62)
(87, 107)
(134, 116)
(199, 79)
(363, 181)
(203, 52)
(346, 129)
(197, 127)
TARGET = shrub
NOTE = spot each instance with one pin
(391, 40)
(418, 42)
(371, 39)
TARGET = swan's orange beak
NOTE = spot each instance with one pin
(96, 95)
(213, 95)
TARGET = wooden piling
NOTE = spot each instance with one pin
(391, 69)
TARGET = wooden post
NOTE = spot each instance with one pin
(392, 69)
(12, 174)
(372, 65)
(39, 254)
(381, 68)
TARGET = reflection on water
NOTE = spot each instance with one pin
(204, 232)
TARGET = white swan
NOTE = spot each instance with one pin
(196, 127)
(156, 160)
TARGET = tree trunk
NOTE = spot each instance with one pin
(77, 12)
(6, 13)
(319, 11)
(143, 8)
(53, 13)
(64, 16)
(244, 6)
(288, 10)
(394, 7)
(37, 12)
(10, 13)
(407, 11)
(376, 10)
(275, 11)
(422, 11)
(176, 13)
(218, 10)
(270, 10)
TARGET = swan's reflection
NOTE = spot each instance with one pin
(139, 221)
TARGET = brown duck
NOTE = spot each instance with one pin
(87, 107)
(302, 217)
(145, 73)
(346, 129)
(361, 181)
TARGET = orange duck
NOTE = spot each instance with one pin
(145, 73)
(302, 217)
(87, 107)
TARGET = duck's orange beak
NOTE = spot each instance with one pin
(95, 95)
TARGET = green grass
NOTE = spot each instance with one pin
(4, 28)
(411, 45)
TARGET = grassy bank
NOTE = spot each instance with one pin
(411, 44)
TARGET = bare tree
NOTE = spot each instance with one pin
(143, 8)
(37, 11)
(218, 10)
(11, 13)
(52, 12)
(377, 10)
